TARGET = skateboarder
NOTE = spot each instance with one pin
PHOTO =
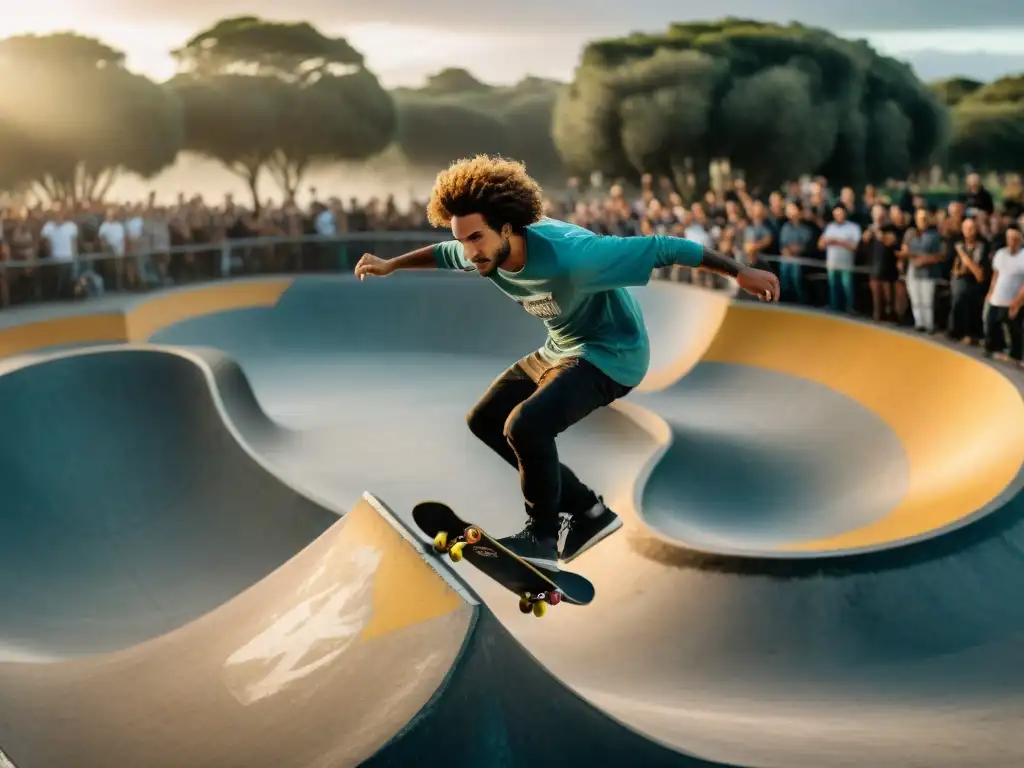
(597, 347)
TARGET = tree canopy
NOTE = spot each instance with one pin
(988, 127)
(251, 45)
(269, 98)
(276, 97)
(953, 90)
(775, 100)
(455, 115)
(72, 116)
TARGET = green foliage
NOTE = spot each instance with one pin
(988, 137)
(453, 81)
(64, 49)
(261, 95)
(76, 117)
(266, 97)
(338, 117)
(233, 119)
(1001, 91)
(248, 44)
(988, 127)
(953, 90)
(777, 100)
(455, 115)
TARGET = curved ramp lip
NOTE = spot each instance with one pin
(132, 319)
(194, 356)
(450, 577)
(1013, 487)
(713, 309)
(196, 644)
(662, 378)
(662, 435)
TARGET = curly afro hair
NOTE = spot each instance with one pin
(500, 190)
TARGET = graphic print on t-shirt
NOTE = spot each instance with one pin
(543, 306)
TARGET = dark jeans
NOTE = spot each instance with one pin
(840, 290)
(1000, 326)
(791, 279)
(519, 419)
(967, 309)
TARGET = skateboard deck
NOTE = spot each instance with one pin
(537, 587)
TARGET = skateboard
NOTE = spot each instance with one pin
(537, 588)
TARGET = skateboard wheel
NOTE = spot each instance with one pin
(455, 553)
(473, 535)
(554, 598)
(525, 605)
(539, 608)
(441, 541)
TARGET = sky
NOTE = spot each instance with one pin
(405, 40)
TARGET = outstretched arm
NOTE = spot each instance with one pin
(599, 263)
(719, 263)
(370, 265)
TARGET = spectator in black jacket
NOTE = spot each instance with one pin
(978, 198)
(970, 276)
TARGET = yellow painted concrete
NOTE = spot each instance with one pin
(140, 321)
(961, 423)
(406, 590)
(166, 309)
(81, 329)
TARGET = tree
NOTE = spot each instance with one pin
(233, 119)
(251, 45)
(775, 100)
(953, 90)
(455, 115)
(276, 97)
(335, 118)
(1009, 89)
(988, 127)
(72, 121)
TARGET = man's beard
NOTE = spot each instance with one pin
(500, 257)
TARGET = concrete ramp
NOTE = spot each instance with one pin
(790, 433)
(821, 563)
(319, 663)
(130, 505)
(357, 651)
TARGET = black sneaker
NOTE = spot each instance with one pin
(535, 545)
(588, 528)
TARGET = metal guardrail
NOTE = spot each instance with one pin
(228, 245)
(195, 262)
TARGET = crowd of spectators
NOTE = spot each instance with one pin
(956, 268)
(93, 247)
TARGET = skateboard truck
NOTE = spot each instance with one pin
(528, 602)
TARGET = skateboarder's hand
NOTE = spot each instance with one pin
(372, 265)
(760, 282)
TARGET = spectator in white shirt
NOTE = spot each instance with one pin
(112, 234)
(61, 237)
(1005, 326)
(839, 241)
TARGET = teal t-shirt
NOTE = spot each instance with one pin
(575, 281)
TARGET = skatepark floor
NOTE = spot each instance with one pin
(821, 563)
